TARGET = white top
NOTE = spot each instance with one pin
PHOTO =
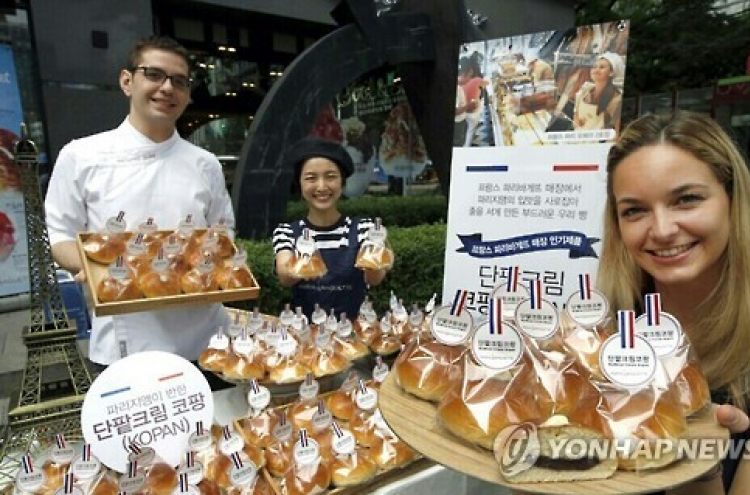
(98, 176)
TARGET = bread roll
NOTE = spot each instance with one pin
(288, 371)
(213, 359)
(309, 479)
(693, 389)
(279, 459)
(644, 416)
(208, 487)
(154, 284)
(234, 277)
(240, 367)
(351, 348)
(105, 485)
(161, 479)
(258, 430)
(389, 452)
(364, 428)
(54, 477)
(196, 281)
(479, 407)
(325, 362)
(385, 344)
(341, 404)
(307, 267)
(354, 469)
(374, 257)
(104, 248)
(428, 369)
(111, 289)
(365, 331)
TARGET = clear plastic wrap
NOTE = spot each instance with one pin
(426, 368)
(375, 253)
(119, 285)
(484, 402)
(353, 469)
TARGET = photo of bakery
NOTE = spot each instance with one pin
(374, 247)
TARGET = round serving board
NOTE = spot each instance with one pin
(416, 422)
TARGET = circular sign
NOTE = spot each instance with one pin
(242, 476)
(116, 225)
(244, 346)
(451, 329)
(200, 441)
(587, 312)
(510, 299)
(306, 453)
(366, 399)
(282, 432)
(305, 246)
(538, 323)
(159, 395)
(259, 398)
(664, 336)
(194, 473)
(308, 391)
(85, 470)
(30, 482)
(495, 349)
(318, 316)
(343, 442)
(228, 445)
(219, 341)
(631, 366)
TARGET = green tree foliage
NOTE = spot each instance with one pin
(675, 43)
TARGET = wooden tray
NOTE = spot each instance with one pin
(415, 421)
(96, 271)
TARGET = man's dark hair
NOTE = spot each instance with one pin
(159, 43)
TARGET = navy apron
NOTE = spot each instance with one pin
(342, 289)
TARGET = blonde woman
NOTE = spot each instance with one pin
(677, 222)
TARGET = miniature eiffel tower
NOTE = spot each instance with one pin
(50, 337)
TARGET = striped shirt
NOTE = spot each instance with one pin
(333, 237)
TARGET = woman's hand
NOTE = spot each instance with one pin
(733, 418)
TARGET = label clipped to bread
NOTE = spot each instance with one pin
(587, 307)
(452, 324)
(660, 329)
(627, 359)
(496, 344)
(535, 316)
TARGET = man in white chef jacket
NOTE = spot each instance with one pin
(146, 170)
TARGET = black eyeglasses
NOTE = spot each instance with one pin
(158, 76)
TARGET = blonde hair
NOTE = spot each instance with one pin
(721, 334)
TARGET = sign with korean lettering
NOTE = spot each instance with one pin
(538, 208)
(149, 399)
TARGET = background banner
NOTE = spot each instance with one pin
(535, 117)
(14, 269)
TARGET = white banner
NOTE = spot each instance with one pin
(538, 208)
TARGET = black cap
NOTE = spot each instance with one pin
(313, 147)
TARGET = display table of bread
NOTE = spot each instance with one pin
(130, 271)
(571, 400)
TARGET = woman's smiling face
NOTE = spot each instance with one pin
(321, 183)
(673, 215)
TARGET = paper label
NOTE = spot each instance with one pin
(497, 349)
(587, 312)
(244, 475)
(306, 454)
(366, 400)
(343, 444)
(510, 298)
(234, 443)
(629, 367)
(451, 329)
(664, 336)
(305, 246)
(538, 323)
(259, 399)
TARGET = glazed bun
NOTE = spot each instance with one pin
(105, 485)
(428, 369)
(195, 282)
(363, 426)
(208, 487)
(351, 348)
(693, 389)
(478, 410)
(354, 469)
(309, 479)
(54, 477)
(213, 359)
(160, 480)
(326, 363)
(258, 430)
(374, 257)
(154, 284)
(307, 267)
(279, 459)
(647, 415)
(341, 404)
(240, 367)
(288, 371)
(389, 452)
(234, 277)
(178, 264)
(385, 344)
(111, 289)
(104, 248)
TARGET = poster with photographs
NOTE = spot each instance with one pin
(372, 119)
(536, 116)
(545, 88)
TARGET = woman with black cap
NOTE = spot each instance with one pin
(320, 170)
